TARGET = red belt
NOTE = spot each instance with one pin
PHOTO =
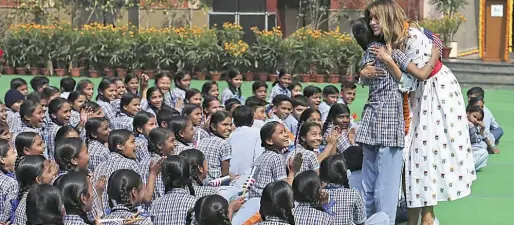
(437, 67)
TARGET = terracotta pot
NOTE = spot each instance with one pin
(349, 77)
(334, 78)
(9, 70)
(446, 52)
(94, 73)
(121, 73)
(319, 78)
(21, 70)
(262, 76)
(201, 75)
(45, 71)
(137, 72)
(75, 72)
(215, 76)
(273, 77)
(249, 76)
(109, 72)
(60, 72)
(306, 78)
(150, 73)
(35, 71)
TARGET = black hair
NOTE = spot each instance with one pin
(330, 90)
(48, 91)
(54, 106)
(121, 183)
(73, 185)
(23, 140)
(277, 200)
(306, 114)
(335, 110)
(281, 73)
(195, 158)
(165, 115)
(362, 32)
(92, 125)
(68, 84)
(35, 96)
(299, 100)
(4, 149)
(175, 174)
(475, 100)
(266, 133)
(178, 77)
(140, 119)
(332, 170)
(207, 101)
(258, 84)
(311, 90)
(254, 102)
(281, 98)
(206, 87)
(229, 103)
(354, 156)
(476, 91)
(294, 83)
(189, 108)
(348, 84)
(210, 210)
(102, 86)
(231, 74)
(82, 84)
(126, 99)
(475, 108)
(157, 137)
(303, 131)
(65, 151)
(27, 170)
(177, 124)
(65, 130)
(149, 93)
(118, 137)
(307, 189)
(216, 118)
(74, 95)
(38, 82)
(17, 82)
(91, 105)
(190, 92)
(128, 78)
(4, 127)
(243, 116)
(44, 205)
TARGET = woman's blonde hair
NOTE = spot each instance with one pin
(391, 18)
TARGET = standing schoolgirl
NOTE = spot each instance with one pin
(173, 207)
(216, 149)
(154, 101)
(338, 119)
(143, 123)
(106, 94)
(234, 80)
(280, 87)
(76, 100)
(182, 82)
(8, 184)
(277, 203)
(28, 143)
(33, 169)
(45, 205)
(125, 194)
(97, 135)
(77, 193)
(87, 87)
(210, 89)
(193, 96)
(309, 139)
(308, 195)
(161, 144)
(260, 89)
(123, 156)
(194, 113)
(163, 83)
(210, 210)
(13, 100)
(60, 111)
(129, 106)
(184, 132)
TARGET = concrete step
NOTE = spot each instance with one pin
(478, 65)
(470, 77)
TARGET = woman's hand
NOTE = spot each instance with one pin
(436, 52)
(382, 54)
(370, 71)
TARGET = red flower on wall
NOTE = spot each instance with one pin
(1, 53)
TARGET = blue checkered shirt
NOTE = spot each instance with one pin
(278, 90)
(13, 120)
(270, 167)
(73, 220)
(20, 213)
(342, 140)
(142, 148)
(107, 108)
(8, 193)
(122, 212)
(122, 122)
(228, 94)
(144, 167)
(74, 118)
(98, 153)
(310, 160)
(348, 205)
(172, 208)
(50, 132)
(216, 150)
(168, 99)
(116, 105)
(177, 94)
(201, 191)
(382, 118)
(272, 220)
(27, 128)
(180, 147)
(200, 134)
(304, 213)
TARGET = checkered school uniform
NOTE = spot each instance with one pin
(142, 148)
(92, 214)
(109, 111)
(200, 134)
(122, 212)
(310, 160)
(20, 217)
(348, 205)
(304, 213)
(278, 90)
(13, 120)
(228, 94)
(8, 193)
(177, 94)
(114, 162)
(144, 167)
(172, 208)
(272, 220)
(180, 147)
(168, 99)
(270, 167)
(98, 153)
(73, 220)
(382, 119)
(122, 122)
(50, 132)
(342, 140)
(201, 191)
(116, 105)
(28, 128)
(216, 150)
(74, 118)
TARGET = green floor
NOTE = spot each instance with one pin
(492, 200)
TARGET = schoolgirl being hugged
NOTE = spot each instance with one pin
(143, 123)
(8, 184)
(130, 104)
(234, 80)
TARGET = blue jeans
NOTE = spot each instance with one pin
(381, 173)
(497, 133)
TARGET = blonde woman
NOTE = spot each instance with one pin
(439, 163)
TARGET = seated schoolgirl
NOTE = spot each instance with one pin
(77, 193)
(154, 101)
(309, 197)
(260, 89)
(164, 116)
(88, 110)
(329, 144)
(354, 157)
(277, 203)
(31, 170)
(338, 120)
(210, 89)
(183, 129)
(479, 142)
(32, 118)
(28, 143)
(106, 94)
(280, 87)
(51, 92)
(309, 139)
(125, 195)
(76, 100)
(3, 112)
(346, 204)
(295, 87)
(59, 111)
(210, 106)
(45, 205)
(193, 96)
(234, 80)
(97, 136)
(8, 184)
(67, 131)
(129, 106)
(13, 100)
(143, 123)
(5, 133)
(182, 81)
(210, 210)
(194, 113)
(87, 87)
(161, 144)
(173, 207)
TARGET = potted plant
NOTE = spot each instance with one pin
(265, 53)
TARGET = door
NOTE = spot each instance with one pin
(495, 27)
